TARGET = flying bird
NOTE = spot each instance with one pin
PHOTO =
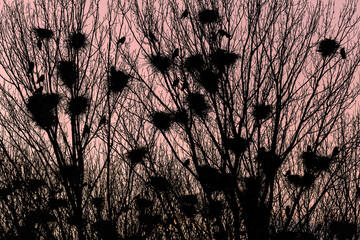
(342, 53)
(41, 79)
(184, 14)
(175, 53)
(31, 67)
(223, 33)
(121, 41)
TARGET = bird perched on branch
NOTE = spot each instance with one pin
(40, 79)
(223, 33)
(175, 53)
(342, 53)
(31, 67)
(121, 41)
(184, 14)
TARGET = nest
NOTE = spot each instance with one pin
(210, 178)
(106, 229)
(98, 202)
(77, 106)
(237, 145)
(343, 230)
(189, 199)
(150, 220)
(118, 80)
(4, 192)
(77, 40)
(31, 67)
(161, 120)
(67, 72)
(35, 184)
(301, 181)
(68, 172)
(312, 162)
(40, 216)
(181, 117)
(209, 80)
(160, 62)
(142, 203)
(208, 16)
(214, 209)
(198, 104)
(56, 203)
(269, 161)
(221, 59)
(262, 111)
(137, 155)
(194, 63)
(328, 47)
(43, 33)
(160, 183)
(42, 108)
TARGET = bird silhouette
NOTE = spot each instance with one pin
(39, 90)
(31, 67)
(121, 41)
(40, 79)
(102, 121)
(175, 53)
(335, 152)
(187, 163)
(342, 53)
(39, 44)
(184, 14)
(185, 85)
(223, 33)
(86, 130)
(287, 211)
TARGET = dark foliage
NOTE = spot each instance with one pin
(161, 120)
(118, 80)
(328, 47)
(67, 72)
(262, 111)
(208, 16)
(198, 104)
(77, 40)
(43, 33)
(137, 155)
(42, 108)
(77, 105)
(160, 62)
(301, 181)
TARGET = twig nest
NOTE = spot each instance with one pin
(67, 72)
(42, 108)
(262, 111)
(237, 144)
(301, 181)
(137, 155)
(342, 229)
(214, 209)
(269, 161)
(160, 183)
(98, 202)
(56, 203)
(106, 229)
(222, 58)
(194, 63)
(181, 117)
(209, 80)
(77, 40)
(327, 47)
(161, 120)
(188, 205)
(160, 62)
(208, 16)
(43, 33)
(142, 204)
(210, 178)
(78, 105)
(118, 80)
(198, 104)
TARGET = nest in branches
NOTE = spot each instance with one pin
(161, 120)
(181, 117)
(56, 203)
(301, 181)
(210, 178)
(67, 72)
(43, 33)
(237, 144)
(208, 16)
(142, 204)
(214, 209)
(40, 216)
(160, 62)
(209, 80)
(312, 162)
(198, 104)
(106, 229)
(77, 105)
(118, 80)
(262, 111)
(194, 63)
(35, 184)
(269, 161)
(77, 40)
(4, 192)
(221, 59)
(42, 108)
(189, 199)
(98, 202)
(150, 221)
(328, 47)
(137, 155)
(160, 183)
(342, 229)
(188, 205)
